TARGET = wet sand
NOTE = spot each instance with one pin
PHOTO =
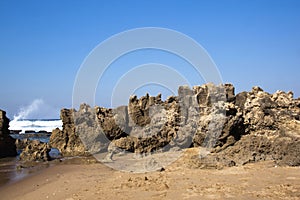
(13, 170)
(8, 171)
(72, 180)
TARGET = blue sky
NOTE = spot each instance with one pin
(43, 43)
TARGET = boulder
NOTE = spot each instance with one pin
(7, 143)
(36, 151)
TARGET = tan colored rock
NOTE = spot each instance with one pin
(66, 140)
(236, 129)
(138, 109)
(283, 99)
(113, 122)
(36, 151)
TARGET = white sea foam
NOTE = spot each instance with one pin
(26, 111)
(35, 125)
(22, 124)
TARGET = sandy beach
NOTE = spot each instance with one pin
(89, 180)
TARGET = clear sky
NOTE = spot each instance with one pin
(43, 43)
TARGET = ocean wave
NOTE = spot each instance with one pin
(35, 125)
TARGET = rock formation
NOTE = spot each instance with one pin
(35, 151)
(21, 143)
(7, 143)
(66, 140)
(267, 127)
(236, 129)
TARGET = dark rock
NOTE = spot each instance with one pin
(7, 143)
(44, 132)
(29, 131)
(4, 123)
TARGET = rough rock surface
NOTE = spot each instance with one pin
(88, 129)
(7, 143)
(259, 126)
(236, 129)
(66, 140)
(21, 144)
(113, 121)
(35, 151)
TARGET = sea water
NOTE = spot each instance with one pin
(34, 125)
(34, 129)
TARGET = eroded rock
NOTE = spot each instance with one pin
(35, 151)
(235, 129)
(67, 141)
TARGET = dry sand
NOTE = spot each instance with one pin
(73, 180)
